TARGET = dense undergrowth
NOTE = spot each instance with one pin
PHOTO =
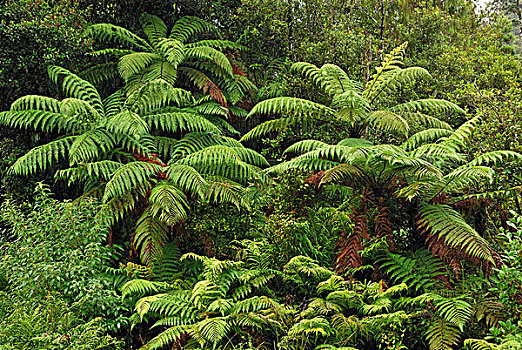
(260, 175)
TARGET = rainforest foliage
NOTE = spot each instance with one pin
(252, 174)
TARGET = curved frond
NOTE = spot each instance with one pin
(424, 136)
(39, 158)
(447, 224)
(74, 86)
(111, 33)
(153, 27)
(428, 105)
(189, 26)
(130, 176)
(388, 121)
(296, 107)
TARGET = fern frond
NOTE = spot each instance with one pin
(454, 310)
(134, 63)
(157, 94)
(495, 158)
(100, 72)
(270, 126)
(130, 176)
(428, 105)
(388, 121)
(110, 33)
(88, 146)
(447, 224)
(186, 178)
(153, 27)
(297, 107)
(317, 326)
(212, 55)
(335, 81)
(422, 137)
(462, 134)
(168, 203)
(39, 158)
(74, 86)
(424, 120)
(189, 26)
(36, 102)
(479, 344)
(150, 234)
(442, 335)
(305, 146)
(40, 120)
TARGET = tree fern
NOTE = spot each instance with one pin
(350, 103)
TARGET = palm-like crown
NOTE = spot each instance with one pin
(352, 103)
(152, 150)
(429, 169)
(167, 55)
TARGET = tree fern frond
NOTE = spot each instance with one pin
(174, 51)
(150, 234)
(428, 105)
(428, 135)
(157, 94)
(204, 83)
(305, 146)
(128, 123)
(465, 176)
(309, 71)
(74, 86)
(113, 104)
(134, 63)
(297, 107)
(218, 44)
(39, 158)
(110, 33)
(462, 134)
(212, 55)
(306, 164)
(317, 326)
(447, 224)
(40, 120)
(140, 287)
(189, 26)
(336, 81)
(36, 102)
(100, 72)
(391, 61)
(168, 203)
(479, 344)
(397, 79)
(270, 126)
(102, 170)
(495, 157)
(153, 27)
(186, 178)
(88, 146)
(424, 120)
(197, 141)
(388, 121)
(226, 191)
(454, 310)
(169, 336)
(130, 176)
(340, 173)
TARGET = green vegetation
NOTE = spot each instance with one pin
(254, 174)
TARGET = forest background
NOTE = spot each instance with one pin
(251, 174)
